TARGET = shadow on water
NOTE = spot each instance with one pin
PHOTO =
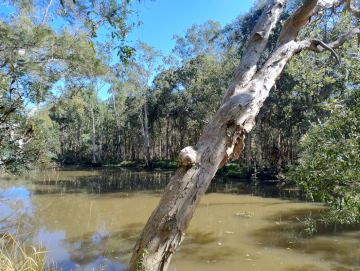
(338, 244)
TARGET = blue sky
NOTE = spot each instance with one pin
(162, 19)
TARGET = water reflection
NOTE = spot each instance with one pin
(91, 219)
(123, 180)
(336, 244)
(101, 181)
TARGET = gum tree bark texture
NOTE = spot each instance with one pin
(223, 138)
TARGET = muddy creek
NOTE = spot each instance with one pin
(90, 219)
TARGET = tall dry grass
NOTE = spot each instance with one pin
(16, 256)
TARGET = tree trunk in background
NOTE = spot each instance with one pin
(160, 142)
(146, 137)
(223, 138)
(248, 158)
(93, 132)
(167, 138)
(117, 116)
(258, 147)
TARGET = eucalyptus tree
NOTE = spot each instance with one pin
(118, 116)
(33, 58)
(139, 78)
(189, 88)
(301, 95)
(92, 17)
(36, 53)
(223, 138)
(198, 40)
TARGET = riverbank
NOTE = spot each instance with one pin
(231, 170)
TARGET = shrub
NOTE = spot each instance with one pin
(329, 166)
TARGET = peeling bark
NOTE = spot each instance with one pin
(223, 138)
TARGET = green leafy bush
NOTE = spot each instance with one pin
(329, 166)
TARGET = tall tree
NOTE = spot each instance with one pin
(32, 59)
(86, 15)
(35, 57)
(140, 77)
(223, 138)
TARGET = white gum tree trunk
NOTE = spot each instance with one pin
(223, 138)
(146, 143)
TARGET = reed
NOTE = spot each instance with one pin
(16, 256)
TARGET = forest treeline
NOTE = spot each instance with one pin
(155, 104)
(51, 110)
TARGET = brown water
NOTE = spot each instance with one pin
(88, 219)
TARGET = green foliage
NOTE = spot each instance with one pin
(197, 40)
(72, 113)
(87, 16)
(329, 164)
(33, 58)
(234, 170)
(46, 133)
(164, 164)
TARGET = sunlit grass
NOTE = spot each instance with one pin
(15, 256)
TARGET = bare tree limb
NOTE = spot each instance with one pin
(46, 13)
(313, 44)
(344, 37)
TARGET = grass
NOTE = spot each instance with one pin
(15, 256)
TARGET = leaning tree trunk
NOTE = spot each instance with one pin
(223, 138)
